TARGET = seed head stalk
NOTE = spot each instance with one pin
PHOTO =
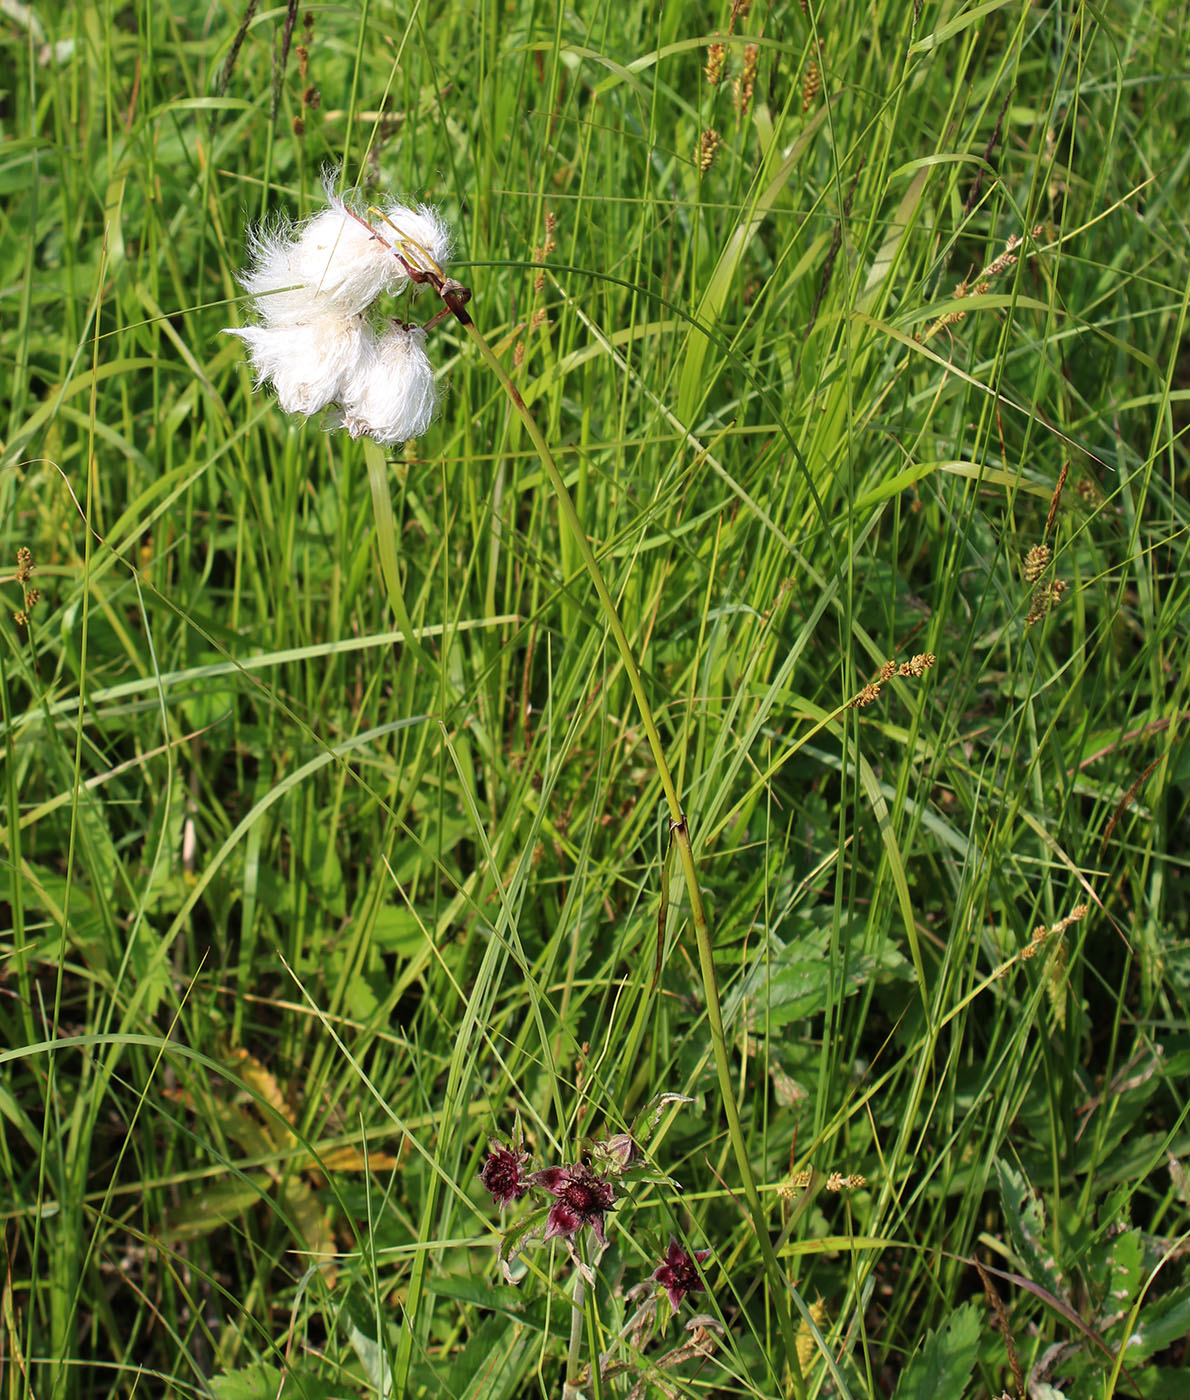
(681, 836)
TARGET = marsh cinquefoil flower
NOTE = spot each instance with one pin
(678, 1273)
(503, 1173)
(312, 287)
(582, 1198)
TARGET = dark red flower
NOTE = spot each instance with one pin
(582, 1199)
(503, 1173)
(678, 1273)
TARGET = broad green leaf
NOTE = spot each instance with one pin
(941, 1368)
(492, 1361)
(261, 1381)
(373, 1359)
(1162, 1323)
(214, 1207)
(1024, 1219)
(1125, 1270)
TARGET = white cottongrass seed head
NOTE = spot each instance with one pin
(340, 261)
(313, 363)
(396, 397)
(312, 286)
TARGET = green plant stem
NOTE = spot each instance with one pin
(577, 1307)
(386, 544)
(681, 835)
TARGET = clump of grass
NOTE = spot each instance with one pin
(337, 842)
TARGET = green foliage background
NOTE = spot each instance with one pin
(301, 909)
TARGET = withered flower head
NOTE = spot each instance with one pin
(503, 1173)
(614, 1155)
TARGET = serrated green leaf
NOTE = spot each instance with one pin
(362, 996)
(1159, 1382)
(260, 1381)
(214, 1207)
(256, 1382)
(1125, 1268)
(942, 1366)
(518, 1235)
(1164, 1321)
(1024, 1220)
(506, 1299)
(797, 979)
(397, 929)
(479, 1292)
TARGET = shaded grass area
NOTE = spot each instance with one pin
(301, 912)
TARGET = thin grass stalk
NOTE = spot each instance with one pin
(386, 548)
(680, 834)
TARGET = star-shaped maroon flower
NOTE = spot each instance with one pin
(503, 1173)
(678, 1272)
(582, 1198)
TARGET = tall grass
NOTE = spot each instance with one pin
(336, 848)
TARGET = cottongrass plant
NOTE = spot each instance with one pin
(313, 287)
(340, 273)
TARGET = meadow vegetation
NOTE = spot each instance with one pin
(339, 867)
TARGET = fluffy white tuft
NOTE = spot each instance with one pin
(338, 262)
(312, 363)
(332, 264)
(269, 277)
(395, 397)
